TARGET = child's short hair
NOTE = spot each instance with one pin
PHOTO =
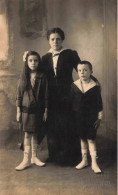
(86, 63)
(56, 30)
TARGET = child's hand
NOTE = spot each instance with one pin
(18, 117)
(45, 115)
(97, 123)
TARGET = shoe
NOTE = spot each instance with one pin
(36, 161)
(82, 164)
(96, 169)
(26, 160)
(22, 165)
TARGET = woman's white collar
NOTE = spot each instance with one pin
(51, 51)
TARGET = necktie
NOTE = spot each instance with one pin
(55, 59)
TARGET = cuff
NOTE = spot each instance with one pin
(100, 115)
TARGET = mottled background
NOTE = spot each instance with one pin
(90, 29)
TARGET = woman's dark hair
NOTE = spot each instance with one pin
(87, 63)
(25, 76)
(56, 30)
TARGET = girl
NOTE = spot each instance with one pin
(31, 105)
(87, 107)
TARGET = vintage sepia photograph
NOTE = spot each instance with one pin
(58, 97)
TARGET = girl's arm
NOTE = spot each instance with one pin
(19, 95)
(18, 115)
(19, 98)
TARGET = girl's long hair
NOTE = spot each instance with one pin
(25, 75)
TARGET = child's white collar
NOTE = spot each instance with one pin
(87, 86)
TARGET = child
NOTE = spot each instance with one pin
(87, 107)
(31, 105)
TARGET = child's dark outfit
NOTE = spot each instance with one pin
(86, 107)
(32, 102)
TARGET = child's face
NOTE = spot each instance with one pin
(33, 62)
(55, 41)
(84, 72)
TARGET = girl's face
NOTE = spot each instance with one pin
(55, 42)
(33, 62)
(84, 72)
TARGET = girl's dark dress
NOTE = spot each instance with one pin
(61, 135)
(32, 102)
(86, 107)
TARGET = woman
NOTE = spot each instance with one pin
(58, 65)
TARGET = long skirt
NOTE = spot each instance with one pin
(63, 143)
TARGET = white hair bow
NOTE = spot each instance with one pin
(24, 55)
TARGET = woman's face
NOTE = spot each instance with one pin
(55, 41)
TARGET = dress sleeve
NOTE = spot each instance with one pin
(19, 95)
(95, 79)
(99, 100)
(46, 93)
(100, 115)
(76, 59)
(45, 63)
(72, 91)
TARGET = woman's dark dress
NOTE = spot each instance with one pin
(86, 107)
(61, 134)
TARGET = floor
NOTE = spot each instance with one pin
(54, 179)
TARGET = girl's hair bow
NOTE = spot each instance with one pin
(24, 55)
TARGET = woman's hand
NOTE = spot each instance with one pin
(45, 115)
(18, 117)
(97, 123)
